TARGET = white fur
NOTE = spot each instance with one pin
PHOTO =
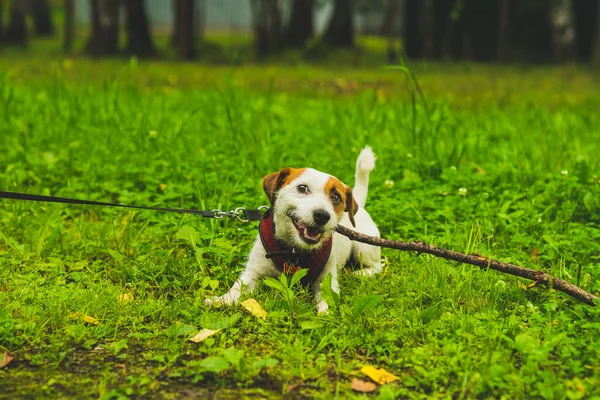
(301, 206)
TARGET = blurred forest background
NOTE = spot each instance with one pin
(528, 31)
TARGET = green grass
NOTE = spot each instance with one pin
(523, 143)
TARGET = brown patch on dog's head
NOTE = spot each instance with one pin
(275, 181)
(347, 202)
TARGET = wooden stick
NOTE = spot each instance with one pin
(539, 277)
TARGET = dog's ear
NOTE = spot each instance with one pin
(351, 206)
(273, 182)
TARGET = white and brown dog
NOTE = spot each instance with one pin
(299, 230)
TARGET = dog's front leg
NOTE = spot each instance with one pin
(257, 268)
(330, 268)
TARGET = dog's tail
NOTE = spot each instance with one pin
(364, 165)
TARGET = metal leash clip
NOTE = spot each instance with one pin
(241, 214)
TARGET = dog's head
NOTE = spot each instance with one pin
(307, 205)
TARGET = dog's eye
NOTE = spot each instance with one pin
(335, 198)
(303, 189)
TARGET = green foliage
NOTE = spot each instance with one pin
(502, 162)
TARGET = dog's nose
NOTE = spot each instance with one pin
(321, 217)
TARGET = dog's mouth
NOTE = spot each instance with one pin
(309, 234)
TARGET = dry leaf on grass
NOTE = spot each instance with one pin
(125, 298)
(254, 308)
(203, 334)
(362, 386)
(85, 318)
(5, 360)
(90, 320)
(380, 376)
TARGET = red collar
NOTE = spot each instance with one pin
(287, 259)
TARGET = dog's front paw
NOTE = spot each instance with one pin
(226, 300)
(322, 307)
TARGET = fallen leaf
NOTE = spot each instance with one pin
(85, 318)
(125, 298)
(521, 285)
(254, 308)
(380, 376)
(5, 360)
(362, 386)
(203, 334)
(90, 320)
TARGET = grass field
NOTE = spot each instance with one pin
(100, 303)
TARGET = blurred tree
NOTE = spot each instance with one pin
(596, 51)
(104, 36)
(391, 20)
(184, 31)
(139, 37)
(340, 31)
(301, 27)
(586, 25)
(563, 30)
(503, 14)
(266, 19)
(1, 21)
(69, 24)
(42, 17)
(16, 32)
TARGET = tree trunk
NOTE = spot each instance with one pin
(267, 27)
(184, 29)
(428, 28)
(200, 20)
(301, 27)
(42, 18)
(481, 29)
(586, 22)
(389, 28)
(139, 38)
(104, 39)
(596, 50)
(503, 30)
(340, 31)
(69, 24)
(1, 22)
(563, 31)
(412, 38)
(16, 33)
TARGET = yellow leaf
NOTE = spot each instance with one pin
(521, 285)
(380, 376)
(254, 308)
(5, 360)
(90, 320)
(85, 318)
(125, 298)
(203, 334)
(361, 386)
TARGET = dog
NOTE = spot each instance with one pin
(298, 231)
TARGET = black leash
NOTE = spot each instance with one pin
(240, 213)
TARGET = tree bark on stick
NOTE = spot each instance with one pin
(539, 277)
